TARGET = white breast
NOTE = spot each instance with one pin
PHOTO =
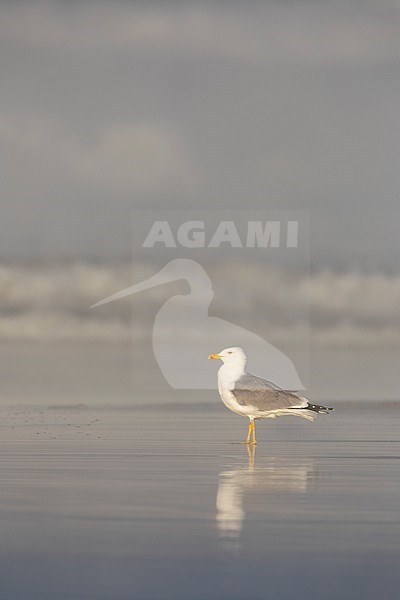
(226, 383)
(230, 402)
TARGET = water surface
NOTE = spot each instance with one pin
(161, 503)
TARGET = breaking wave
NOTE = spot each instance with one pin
(47, 303)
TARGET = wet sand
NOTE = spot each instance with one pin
(161, 503)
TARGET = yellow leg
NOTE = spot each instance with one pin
(251, 430)
(254, 433)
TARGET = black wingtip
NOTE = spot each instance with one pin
(322, 410)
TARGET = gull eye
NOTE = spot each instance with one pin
(230, 352)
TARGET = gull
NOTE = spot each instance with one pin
(257, 398)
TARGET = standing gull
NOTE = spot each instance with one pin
(256, 398)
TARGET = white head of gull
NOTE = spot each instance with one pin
(257, 398)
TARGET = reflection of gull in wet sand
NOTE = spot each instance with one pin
(257, 398)
(276, 475)
(183, 331)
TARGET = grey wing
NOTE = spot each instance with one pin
(250, 390)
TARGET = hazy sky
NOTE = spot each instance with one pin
(108, 106)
